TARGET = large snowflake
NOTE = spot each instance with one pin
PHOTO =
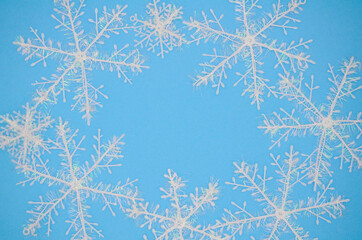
(326, 122)
(179, 222)
(280, 212)
(81, 56)
(76, 184)
(159, 30)
(247, 44)
(22, 134)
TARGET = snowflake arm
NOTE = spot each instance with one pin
(120, 61)
(280, 13)
(210, 29)
(344, 86)
(350, 151)
(284, 125)
(288, 54)
(321, 207)
(110, 22)
(40, 49)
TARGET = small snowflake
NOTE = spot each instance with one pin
(76, 184)
(280, 213)
(326, 122)
(247, 44)
(82, 55)
(159, 31)
(22, 134)
(178, 222)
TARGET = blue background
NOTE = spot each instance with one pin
(169, 124)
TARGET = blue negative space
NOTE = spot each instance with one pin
(169, 123)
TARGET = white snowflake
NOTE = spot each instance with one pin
(279, 215)
(75, 183)
(22, 134)
(179, 222)
(81, 56)
(326, 122)
(159, 30)
(247, 44)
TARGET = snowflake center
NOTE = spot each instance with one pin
(280, 214)
(249, 39)
(27, 132)
(160, 26)
(76, 184)
(81, 56)
(180, 222)
(327, 122)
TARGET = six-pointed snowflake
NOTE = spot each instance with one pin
(158, 32)
(280, 212)
(81, 56)
(75, 183)
(22, 134)
(334, 131)
(247, 44)
(179, 221)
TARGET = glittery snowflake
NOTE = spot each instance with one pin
(248, 44)
(74, 186)
(22, 134)
(335, 131)
(179, 222)
(280, 211)
(159, 30)
(81, 56)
